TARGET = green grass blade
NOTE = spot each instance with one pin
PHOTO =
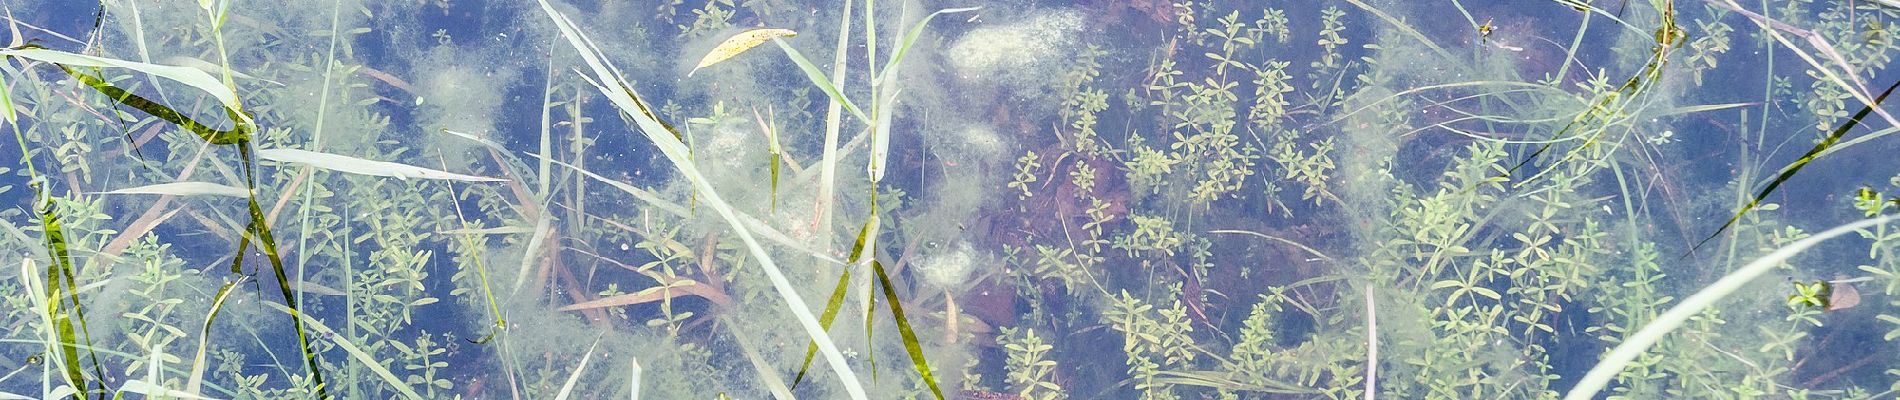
(196, 382)
(59, 278)
(260, 230)
(903, 328)
(238, 133)
(831, 313)
(624, 98)
(837, 297)
(189, 76)
(375, 365)
(818, 79)
(1791, 169)
(911, 38)
(481, 272)
(774, 163)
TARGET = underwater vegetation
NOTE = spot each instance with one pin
(1219, 199)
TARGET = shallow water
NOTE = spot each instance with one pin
(1081, 199)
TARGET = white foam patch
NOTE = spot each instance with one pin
(1028, 46)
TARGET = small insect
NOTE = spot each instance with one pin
(1484, 31)
(33, 359)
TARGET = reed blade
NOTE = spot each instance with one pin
(1795, 167)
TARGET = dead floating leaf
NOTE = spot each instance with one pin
(739, 44)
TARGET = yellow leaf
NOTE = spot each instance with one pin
(739, 44)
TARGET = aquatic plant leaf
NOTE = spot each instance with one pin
(568, 387)
(638, 193)
(1216, 379)
(186, 75)
(1704, 108)
(499, 230)
(767, 373)
(239, 133)
(209, 68)
(774, 162)
(675, 151)
(831, 313)
(368, 361)
(474, 252)
(654, 294)
(195, 384)
(484, 142)
(60, 278)
(353, 165)
(260, 230)
(1791, 169)
(532, 255)
(911, 38)
(6, 100)
(1639, 342)
(739, 43)
(633, 372)
(151, 390)
(818, 79)
(903, 329)
(186, 189)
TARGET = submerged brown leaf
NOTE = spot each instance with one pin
(1843, 297)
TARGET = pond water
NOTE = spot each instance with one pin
(663, 199)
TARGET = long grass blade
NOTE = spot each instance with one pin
(832, 306)
(359, 166)
(911, 38)
(63, 311)
(837, 300)
(260, 230)
(767, 374)
(368, 361)
(911, 344)
(186, 75)
(818, 79)
(567, 388)
(675, 151)
(186, 189)
(195, 384)
(1636, 343)
(1791, 169)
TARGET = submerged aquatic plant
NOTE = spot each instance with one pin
(1481, 211)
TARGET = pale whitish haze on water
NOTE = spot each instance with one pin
(1062, 199)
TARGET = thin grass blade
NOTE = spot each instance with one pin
(186, 189)
(368, 361)
(195, 384)
(911, 344)
(1791, 169)
(353, 165)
